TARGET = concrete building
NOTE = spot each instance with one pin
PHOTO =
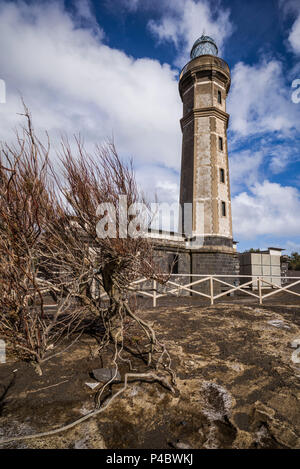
(263, 263)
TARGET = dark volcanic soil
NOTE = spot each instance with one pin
(238, 386)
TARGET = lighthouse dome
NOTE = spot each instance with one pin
(204, 45)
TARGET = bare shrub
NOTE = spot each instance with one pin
(26, 204)
(49, 245)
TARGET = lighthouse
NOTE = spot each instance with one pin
(203, 86)
(204, 244)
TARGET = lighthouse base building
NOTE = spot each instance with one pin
(175, 253)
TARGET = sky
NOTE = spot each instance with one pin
(109, 69)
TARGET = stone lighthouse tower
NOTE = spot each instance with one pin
(204, 84)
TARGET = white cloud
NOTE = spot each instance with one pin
(131, 5)
(160, 182)
(282, 156)
(288, 6)
(292, 246)
(250, 166)
(260, 101)
(245, 168)
(269, 209)
(183, 21)
(161, 186)
(72, 81)
(294, 36)
(292, 7)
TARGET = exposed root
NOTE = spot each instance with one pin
(37, 368)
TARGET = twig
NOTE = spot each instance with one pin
(47, 387)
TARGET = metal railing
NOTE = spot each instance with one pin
(151, 288)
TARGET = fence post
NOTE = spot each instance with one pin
(154, 293)
(259, 290)
(211, 281)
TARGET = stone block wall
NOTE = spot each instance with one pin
(200, 261)
(215, 263)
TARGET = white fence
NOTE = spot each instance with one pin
(152, 289)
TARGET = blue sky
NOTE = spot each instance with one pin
(111, 68)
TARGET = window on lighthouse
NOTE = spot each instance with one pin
(222, 175)
(220, 143)
(219, 97)
(223, 206)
